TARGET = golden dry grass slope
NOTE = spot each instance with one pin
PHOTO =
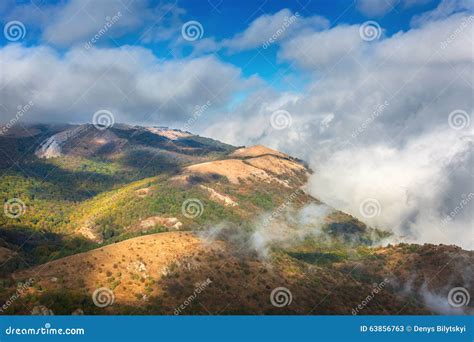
(156, 274)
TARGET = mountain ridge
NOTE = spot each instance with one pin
(141, 194)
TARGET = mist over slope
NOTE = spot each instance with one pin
(377, 121)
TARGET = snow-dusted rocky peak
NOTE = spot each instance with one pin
(169, 133)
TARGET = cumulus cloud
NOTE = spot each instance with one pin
(444, 9)
(410, 184)
(274, 28)
(131, 82)
(74, 22)
(375, 7)
(77, 21)
(320, 49)
(378, 8)
(374, 123)
(263, 32)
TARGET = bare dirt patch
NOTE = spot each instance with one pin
(255, 151)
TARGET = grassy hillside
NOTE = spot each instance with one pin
(150, 213)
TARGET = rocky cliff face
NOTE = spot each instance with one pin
(52, 147)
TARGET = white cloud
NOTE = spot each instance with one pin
(444, 9)
(342, 47)
(430, 47)
(375, 8)
(319, 49)
(406, 154)
(378, 8)
(274, 27)
(130, 81)
(411, 183)
(77, 21)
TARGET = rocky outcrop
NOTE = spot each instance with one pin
(41, 310)
(152, 222)
(215, 196)
(169, 133)
(52, 147)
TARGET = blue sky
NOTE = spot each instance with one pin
(223, 19)
(220, 20)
